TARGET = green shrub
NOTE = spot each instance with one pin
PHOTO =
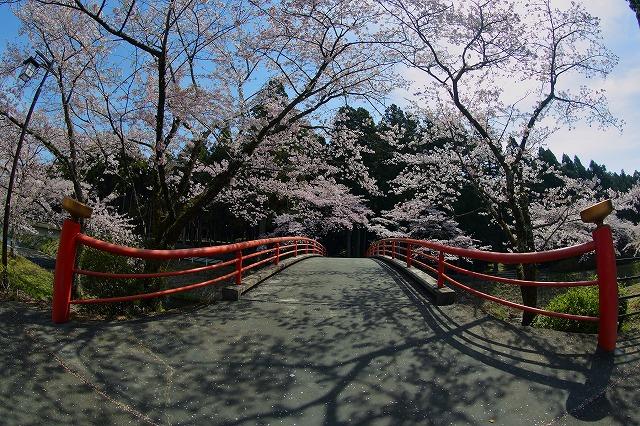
(98, 287)
(577, 301)
(30, 279)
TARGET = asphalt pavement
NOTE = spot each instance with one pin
(325, 342)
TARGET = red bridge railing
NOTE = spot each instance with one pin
(430, 256)
(246, 256)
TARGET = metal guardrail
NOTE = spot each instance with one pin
(430, 256)
(246, 255)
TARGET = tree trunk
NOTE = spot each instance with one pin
(529, 294)
(526, 243)
(152, 284)
(262, 227)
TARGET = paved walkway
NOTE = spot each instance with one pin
(327, 341)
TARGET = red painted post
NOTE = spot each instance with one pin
(238, 267)
(295, 248)
(441, 270)
(277, 253)
(607, 286)
(393, 249)
(408, 255)
(63, 279)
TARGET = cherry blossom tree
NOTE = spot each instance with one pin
(74, 49)
(182, 75)
(418, 218)
(38, 187)
(469, 52)
(297, 181)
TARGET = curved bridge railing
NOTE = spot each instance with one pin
(246, 256)
(430, 257)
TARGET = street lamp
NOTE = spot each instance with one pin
(29, 69)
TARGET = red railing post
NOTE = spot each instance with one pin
(393, 249)
(441, 270)
(277, 253)
(607, 287)
(295, 248)
(238, 267)
(408, 255)
(63, 279)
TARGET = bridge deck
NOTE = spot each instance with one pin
(327, 341)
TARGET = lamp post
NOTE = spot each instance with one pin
(30, 66)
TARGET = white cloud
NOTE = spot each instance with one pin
(617, 150)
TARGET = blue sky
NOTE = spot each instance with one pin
(617, 150)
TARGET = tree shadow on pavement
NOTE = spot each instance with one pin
(327, 341)
(541, 356)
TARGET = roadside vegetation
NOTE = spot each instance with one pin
(576, 300)
(29, 281)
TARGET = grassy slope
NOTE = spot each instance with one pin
(29, 279)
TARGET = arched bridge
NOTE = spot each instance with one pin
(322, 341)
(237, 259)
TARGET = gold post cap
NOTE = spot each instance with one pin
(76, 208)
(597, 212)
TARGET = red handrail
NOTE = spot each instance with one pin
(409, 250)
(494, 257)
(71, 239)
(181, 253)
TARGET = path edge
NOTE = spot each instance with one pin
(441, 296)
(234, 292)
